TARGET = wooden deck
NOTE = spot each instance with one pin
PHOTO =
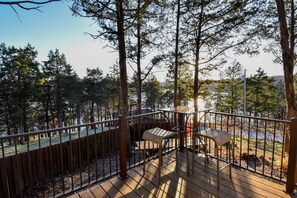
(200, 184)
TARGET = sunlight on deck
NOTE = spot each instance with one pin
(201, 184)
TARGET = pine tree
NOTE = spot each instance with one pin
(262, 95)
(57, 72)
(228, 94)
(19, 86)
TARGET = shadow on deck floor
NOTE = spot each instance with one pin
(203, 183)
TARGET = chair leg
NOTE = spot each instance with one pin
(205, 151)
(160, 161)
(144, 155)
(176, 154)
(187, 154)
(193, 158)
(218, 166)
(230, 171)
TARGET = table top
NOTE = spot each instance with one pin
(220, 137)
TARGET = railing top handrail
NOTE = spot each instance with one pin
(181, 112)
(251, 117)
(144, 114)
(55, 129)
(136, 116)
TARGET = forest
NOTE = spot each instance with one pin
(189, 39)
(49, 94)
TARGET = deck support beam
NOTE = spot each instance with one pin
(292, 162)
(123, 147)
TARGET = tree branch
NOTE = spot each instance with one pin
(27, 5)
(16, 13)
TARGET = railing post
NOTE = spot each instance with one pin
(292, 162)
(123, 146)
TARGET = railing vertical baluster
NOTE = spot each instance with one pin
(88, 153)
(79, 157)
(135, 135)
(18, 165)
(240, 150)
(71, 161)
(123, 147)
(41, 164)
(117, 148)
(292, 163)
(256, 143)
(282, 151)
(264, 146)
(215, 121)
(248, 144)
(233, 140)
(273, 149)
(62, 162)
(96, 153)
(221, 122)
(205, 114)
(29, 163)
(104, 150)
(52, 164)
(110, 145)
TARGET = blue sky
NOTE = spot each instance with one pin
(55, 28)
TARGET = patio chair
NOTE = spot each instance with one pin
(220, 138)
(159, 137)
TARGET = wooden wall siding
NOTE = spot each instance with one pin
(26, 170)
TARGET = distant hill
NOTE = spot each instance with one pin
(279, 78)
(213, 85)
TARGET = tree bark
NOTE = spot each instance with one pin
(197, 56)
(122, 55)
(176, 100)
(139, 80)
(288, 60)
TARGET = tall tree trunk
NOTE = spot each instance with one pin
(287, 47)
(92, 116)
(7, 115)
(123, 84)
(139, 80)
(59, 111)
(176, 100)
(197, 56)
(122, 54)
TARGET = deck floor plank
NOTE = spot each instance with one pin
(86, 194)
(177, 184)
(153, 188)
(74, 196)
(208, 183)
(137, 187)
(98, 191)
(123, 187)
(203, 183)
(245, 183)
(110, 189)
(173, 187)
(143, 183)
(153, 178)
